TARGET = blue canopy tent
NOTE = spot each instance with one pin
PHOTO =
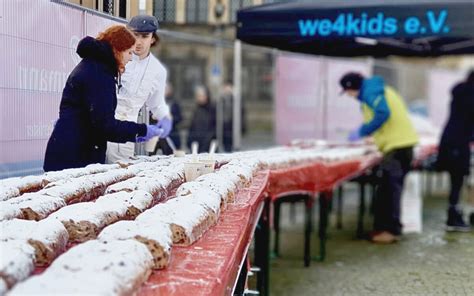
(362, 28)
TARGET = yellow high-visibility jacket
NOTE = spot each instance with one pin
(385, 116)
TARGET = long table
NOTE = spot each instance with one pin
(216, 263)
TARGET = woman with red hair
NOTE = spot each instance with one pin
(86, 112)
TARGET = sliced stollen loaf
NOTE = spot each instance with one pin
(78, 172)
(244, 172)
(30, 206)
(155, 236)
(83, 221)
(13, 187)
(220, 185)
(17, 261)
(93, 268)
(206, 195)
(48, 237)
(136, 202)
(157, 186)
(187, 220)
(86, 188)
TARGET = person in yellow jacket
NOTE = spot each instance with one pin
(386, 119)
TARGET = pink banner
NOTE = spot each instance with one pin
(440, 83)
(298, 100)
(40, 52)
(343, 113)
(96, 24)
(308, 104)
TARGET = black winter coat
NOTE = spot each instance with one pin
(86, 113)
(203, 126)
(454, 148)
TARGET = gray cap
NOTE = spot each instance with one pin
(143, 24)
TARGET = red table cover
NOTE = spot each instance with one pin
(211, 265)
(318, 176)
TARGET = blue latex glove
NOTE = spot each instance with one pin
(166, 125)
(152, 130)
(354, 136)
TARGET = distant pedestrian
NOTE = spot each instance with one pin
(203, 124)
(454, 154)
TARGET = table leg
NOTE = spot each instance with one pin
(360, 218)
(308, 229)
(340, 193)
(324, 198)
(241, 282)
(276, 225)
(262, 248)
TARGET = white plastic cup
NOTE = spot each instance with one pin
(192, 170)
(209, 165)
(179, 153)
(151, 144)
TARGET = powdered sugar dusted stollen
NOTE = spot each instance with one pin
(174, 173)
(244, 172)
(157, 186)
(8, 211)
(220, 185)
(83, 221)
(149, 166)
(17, 261)
(87, 187)
(78, 172)
(94, 268)
(188, 221)
(155, 236)
(48, 237)
(200, 193)
(13, 187)
(70, 284)
(234, 178)
(135, 202)
(30, 206)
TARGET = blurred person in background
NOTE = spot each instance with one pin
(227, 107)
(203, 123)
(454, 153)
(143, 83)
(86, 112)
(386, 120)
(177, 118)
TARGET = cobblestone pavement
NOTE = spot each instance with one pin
(431, 263)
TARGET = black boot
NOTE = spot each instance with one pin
(455, 221)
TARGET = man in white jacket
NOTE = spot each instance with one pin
(142, 83)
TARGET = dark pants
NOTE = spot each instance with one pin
(393, 169)
(457, 179)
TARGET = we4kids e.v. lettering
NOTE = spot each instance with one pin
(377, 24)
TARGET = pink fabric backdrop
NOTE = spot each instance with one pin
(39, 53)
(298, 106)
(440, 83)
(308, 104)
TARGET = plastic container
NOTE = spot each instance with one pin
(192, 170)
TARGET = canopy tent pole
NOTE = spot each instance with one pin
(237, 102)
